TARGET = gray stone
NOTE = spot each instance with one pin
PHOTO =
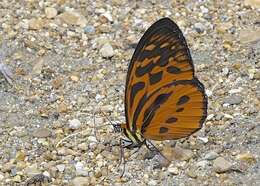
(41, 133)
(211, 155)
(80, 181)
(199, 27)
(233, 99)
(202, 163)
(6, 72)
(220, 165)
(89, 29)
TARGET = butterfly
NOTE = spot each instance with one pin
(163, 98)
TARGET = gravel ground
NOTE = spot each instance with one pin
(69, 60)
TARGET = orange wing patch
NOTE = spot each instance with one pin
(174, 111)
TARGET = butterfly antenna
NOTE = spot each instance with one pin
(117, 127)
(110, 122)
(106, 117)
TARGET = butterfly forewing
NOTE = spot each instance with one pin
(161, 57)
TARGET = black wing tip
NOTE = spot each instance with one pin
(165, 21)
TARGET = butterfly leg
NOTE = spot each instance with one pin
(138, 148)
(122, 157)
(153, 148)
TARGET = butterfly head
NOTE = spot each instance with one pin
(117, 128)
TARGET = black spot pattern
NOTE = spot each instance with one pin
(180, 109)
(138, 110)
(183, 100)
(162, 98)
(134, 90)
(163, 130)
(140, 71)
(155, 78)
(150, 111)
(173, 70)
(171, 120)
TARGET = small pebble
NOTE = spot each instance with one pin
(211, 155)
(6, 72)
(92, 139)
(1, 176)
(173, 170)
(108, 16)
(152, 183)
(220, 165)
(74, 124)
(225, 71)
(36, 24)
(107, 51)
(73, 18)
(210, 117)
(41, 133)
(80, 181)
(13, 171)
(204, 139)
(233, 99)
(199, 27)
(60, 167)
(192, 173)
(202, 163)
(50, 12)
(247, 157)
(89, 29)
(32, 170)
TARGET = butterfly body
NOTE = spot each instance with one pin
(163, 98)
(134, 139)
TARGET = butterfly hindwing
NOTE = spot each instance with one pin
(174, 111)
(161, 57)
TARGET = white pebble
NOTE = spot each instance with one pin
(210, 117)
(92, 139)
(173, 170)
(50, 12)
(152, 182)
(234, 91)
(74, 124)
(108, 16)
(79, 166)
(203, 139)
(107, 50)
(60, 167)
(209, 93)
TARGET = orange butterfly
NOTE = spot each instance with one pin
(163, 98)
